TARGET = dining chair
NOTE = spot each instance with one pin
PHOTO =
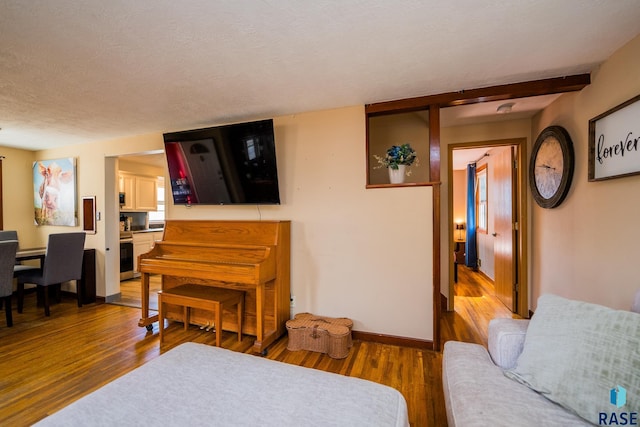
(62, 263)
(18, 267)
(8, 250)
(8, 235)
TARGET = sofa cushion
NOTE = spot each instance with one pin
(477, 394)
(506, 340)
(575, 353)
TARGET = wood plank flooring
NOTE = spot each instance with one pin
(475, 305)
(47, 363)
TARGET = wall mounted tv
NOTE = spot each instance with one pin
(231, 164)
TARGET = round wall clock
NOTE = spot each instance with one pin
(551, 167)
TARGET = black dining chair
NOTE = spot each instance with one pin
(8, 250)
(62, 263)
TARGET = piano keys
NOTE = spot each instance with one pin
(252, 256)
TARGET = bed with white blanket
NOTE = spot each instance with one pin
(196, 384)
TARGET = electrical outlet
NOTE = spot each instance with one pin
(479, 262)
(292, 301)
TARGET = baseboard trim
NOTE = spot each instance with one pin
(115, 297)
(393, 340)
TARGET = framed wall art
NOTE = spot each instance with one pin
(54, 192)
(614, 142)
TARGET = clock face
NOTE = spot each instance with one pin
(548, 163)
(551, 167)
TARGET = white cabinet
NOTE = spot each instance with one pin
(140, 192)
(126, 185)
(142, 243)
(157, 235)
(146, 193)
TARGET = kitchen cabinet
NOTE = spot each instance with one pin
(142, 243)
(140, 191)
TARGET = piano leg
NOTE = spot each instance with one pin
(258, 345)
(145, 320)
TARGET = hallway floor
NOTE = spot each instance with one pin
(475, 305)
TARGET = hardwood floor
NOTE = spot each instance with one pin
(47, 363)
(475, 305)
(130, 292)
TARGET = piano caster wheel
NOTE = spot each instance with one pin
(264, 352)
(149, 328)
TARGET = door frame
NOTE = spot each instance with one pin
(520, 249)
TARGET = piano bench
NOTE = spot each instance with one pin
(201, 297)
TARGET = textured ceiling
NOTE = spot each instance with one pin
(79, 71)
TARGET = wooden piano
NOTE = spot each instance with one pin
(252, 256)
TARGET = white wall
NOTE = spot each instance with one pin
(586, 248)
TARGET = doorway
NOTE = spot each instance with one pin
(501, 241)
(149, 163)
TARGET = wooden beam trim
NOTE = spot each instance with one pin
(472, 96)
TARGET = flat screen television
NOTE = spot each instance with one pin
(231, 164)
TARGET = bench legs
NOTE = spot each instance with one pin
(194, 296)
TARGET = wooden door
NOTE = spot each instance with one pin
(504, 235)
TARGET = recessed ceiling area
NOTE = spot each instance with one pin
(483, 112)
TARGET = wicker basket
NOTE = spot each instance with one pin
(322, 334)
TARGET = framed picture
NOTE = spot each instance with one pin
(54, 192)
(614, 142)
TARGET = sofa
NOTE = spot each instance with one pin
(573, 364)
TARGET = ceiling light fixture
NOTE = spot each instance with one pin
(505, 108)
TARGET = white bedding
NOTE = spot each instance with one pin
(196, 385)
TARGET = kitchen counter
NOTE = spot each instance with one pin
(149, 230)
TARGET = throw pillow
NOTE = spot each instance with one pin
(579, 354)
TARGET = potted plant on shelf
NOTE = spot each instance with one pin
(396, 160)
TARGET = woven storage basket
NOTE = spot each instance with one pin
(322, 334)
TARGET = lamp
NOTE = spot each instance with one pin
(505, 108)
(460, 226)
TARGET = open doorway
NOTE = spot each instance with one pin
(134, 185)
(487, 222)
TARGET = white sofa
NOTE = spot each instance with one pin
(478, 391)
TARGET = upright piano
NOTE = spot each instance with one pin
(252, 256)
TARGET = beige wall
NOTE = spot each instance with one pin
(365, 254)
(585, 248)
(140, 168)
(17, 190)
(463, 136)
(397, 129)
(459, 198)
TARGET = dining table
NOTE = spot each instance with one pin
(86, 284)
(31, 253)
